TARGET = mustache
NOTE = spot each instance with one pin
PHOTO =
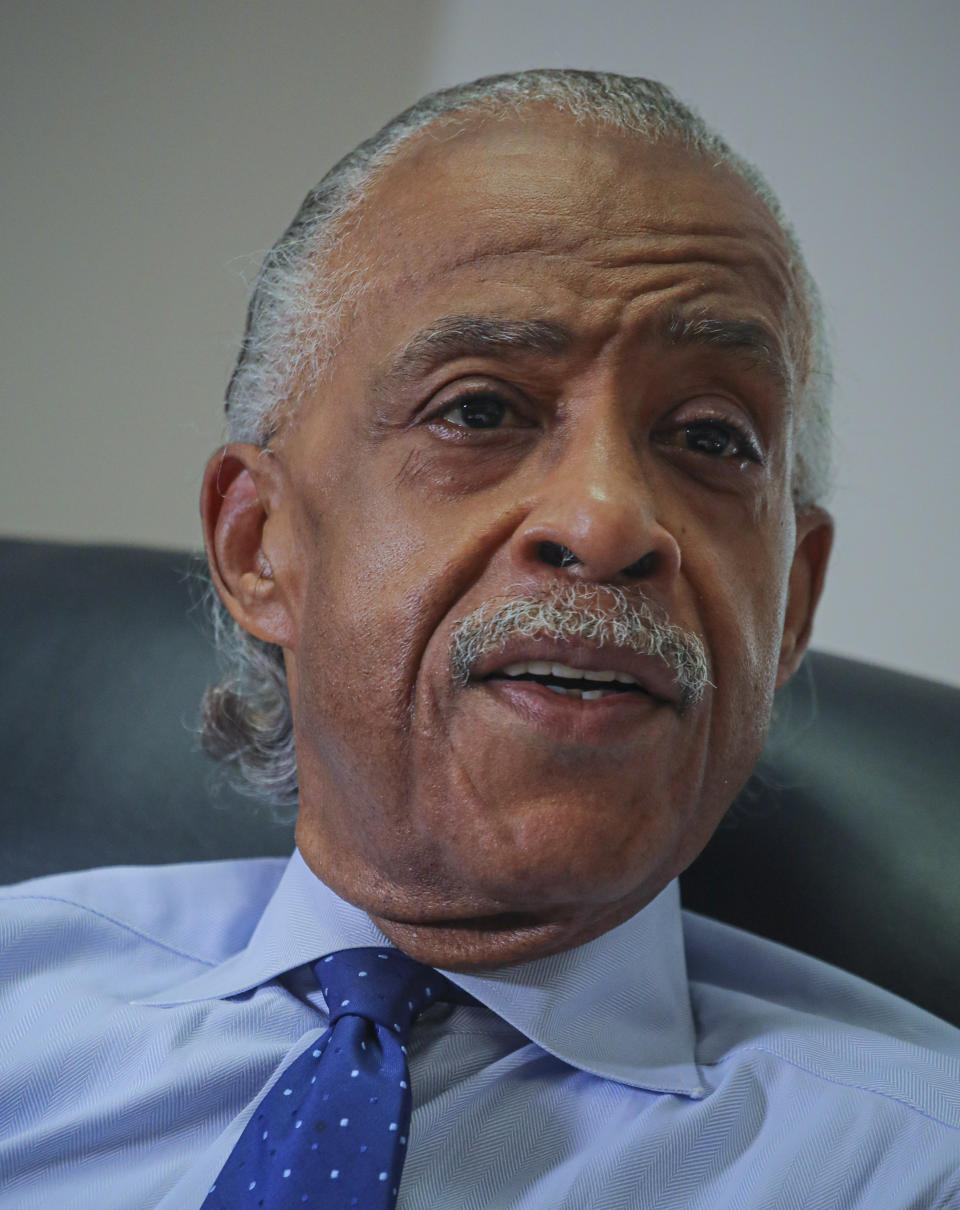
(590, 614)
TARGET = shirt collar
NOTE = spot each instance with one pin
(618, 1006)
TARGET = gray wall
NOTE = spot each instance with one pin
(152, 150)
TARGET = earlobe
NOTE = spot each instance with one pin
(807, 574)
(236, 503)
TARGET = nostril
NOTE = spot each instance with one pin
(644, 567)
(555, 555)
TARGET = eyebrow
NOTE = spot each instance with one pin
(456, 336)
(736, 335)
(472, 336)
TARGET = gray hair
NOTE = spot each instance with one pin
(299, 302)
(599, 614)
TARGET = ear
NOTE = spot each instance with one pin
(809, 569)
(239, 494)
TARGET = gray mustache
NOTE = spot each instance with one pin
(591, 614)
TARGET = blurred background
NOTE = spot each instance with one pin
(153, 149)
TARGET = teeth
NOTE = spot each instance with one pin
(584, 695)
(542, 668)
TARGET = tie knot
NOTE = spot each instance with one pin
(383, 985)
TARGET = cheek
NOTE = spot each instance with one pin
(377, 584)
(741, 591)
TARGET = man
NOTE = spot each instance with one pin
(522, 526)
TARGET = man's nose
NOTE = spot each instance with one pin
(595, 517)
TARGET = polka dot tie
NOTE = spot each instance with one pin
(332, 1132)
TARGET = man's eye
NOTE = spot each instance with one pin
(479, 412)
(717, 439)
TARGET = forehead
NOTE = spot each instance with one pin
(540, 217)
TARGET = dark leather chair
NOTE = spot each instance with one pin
(845, 845)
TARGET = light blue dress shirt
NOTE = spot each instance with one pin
(672, 1063)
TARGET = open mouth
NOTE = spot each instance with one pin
(585, 684)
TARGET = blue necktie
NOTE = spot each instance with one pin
(332, 1132)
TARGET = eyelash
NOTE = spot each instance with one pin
(746, 446)
(477, 395)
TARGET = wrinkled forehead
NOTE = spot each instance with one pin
(473, 187)
(465, 201)
(482, 210)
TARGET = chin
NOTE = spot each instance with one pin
(478, 942)
(557, 848)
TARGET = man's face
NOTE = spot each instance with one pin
(527, 373)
